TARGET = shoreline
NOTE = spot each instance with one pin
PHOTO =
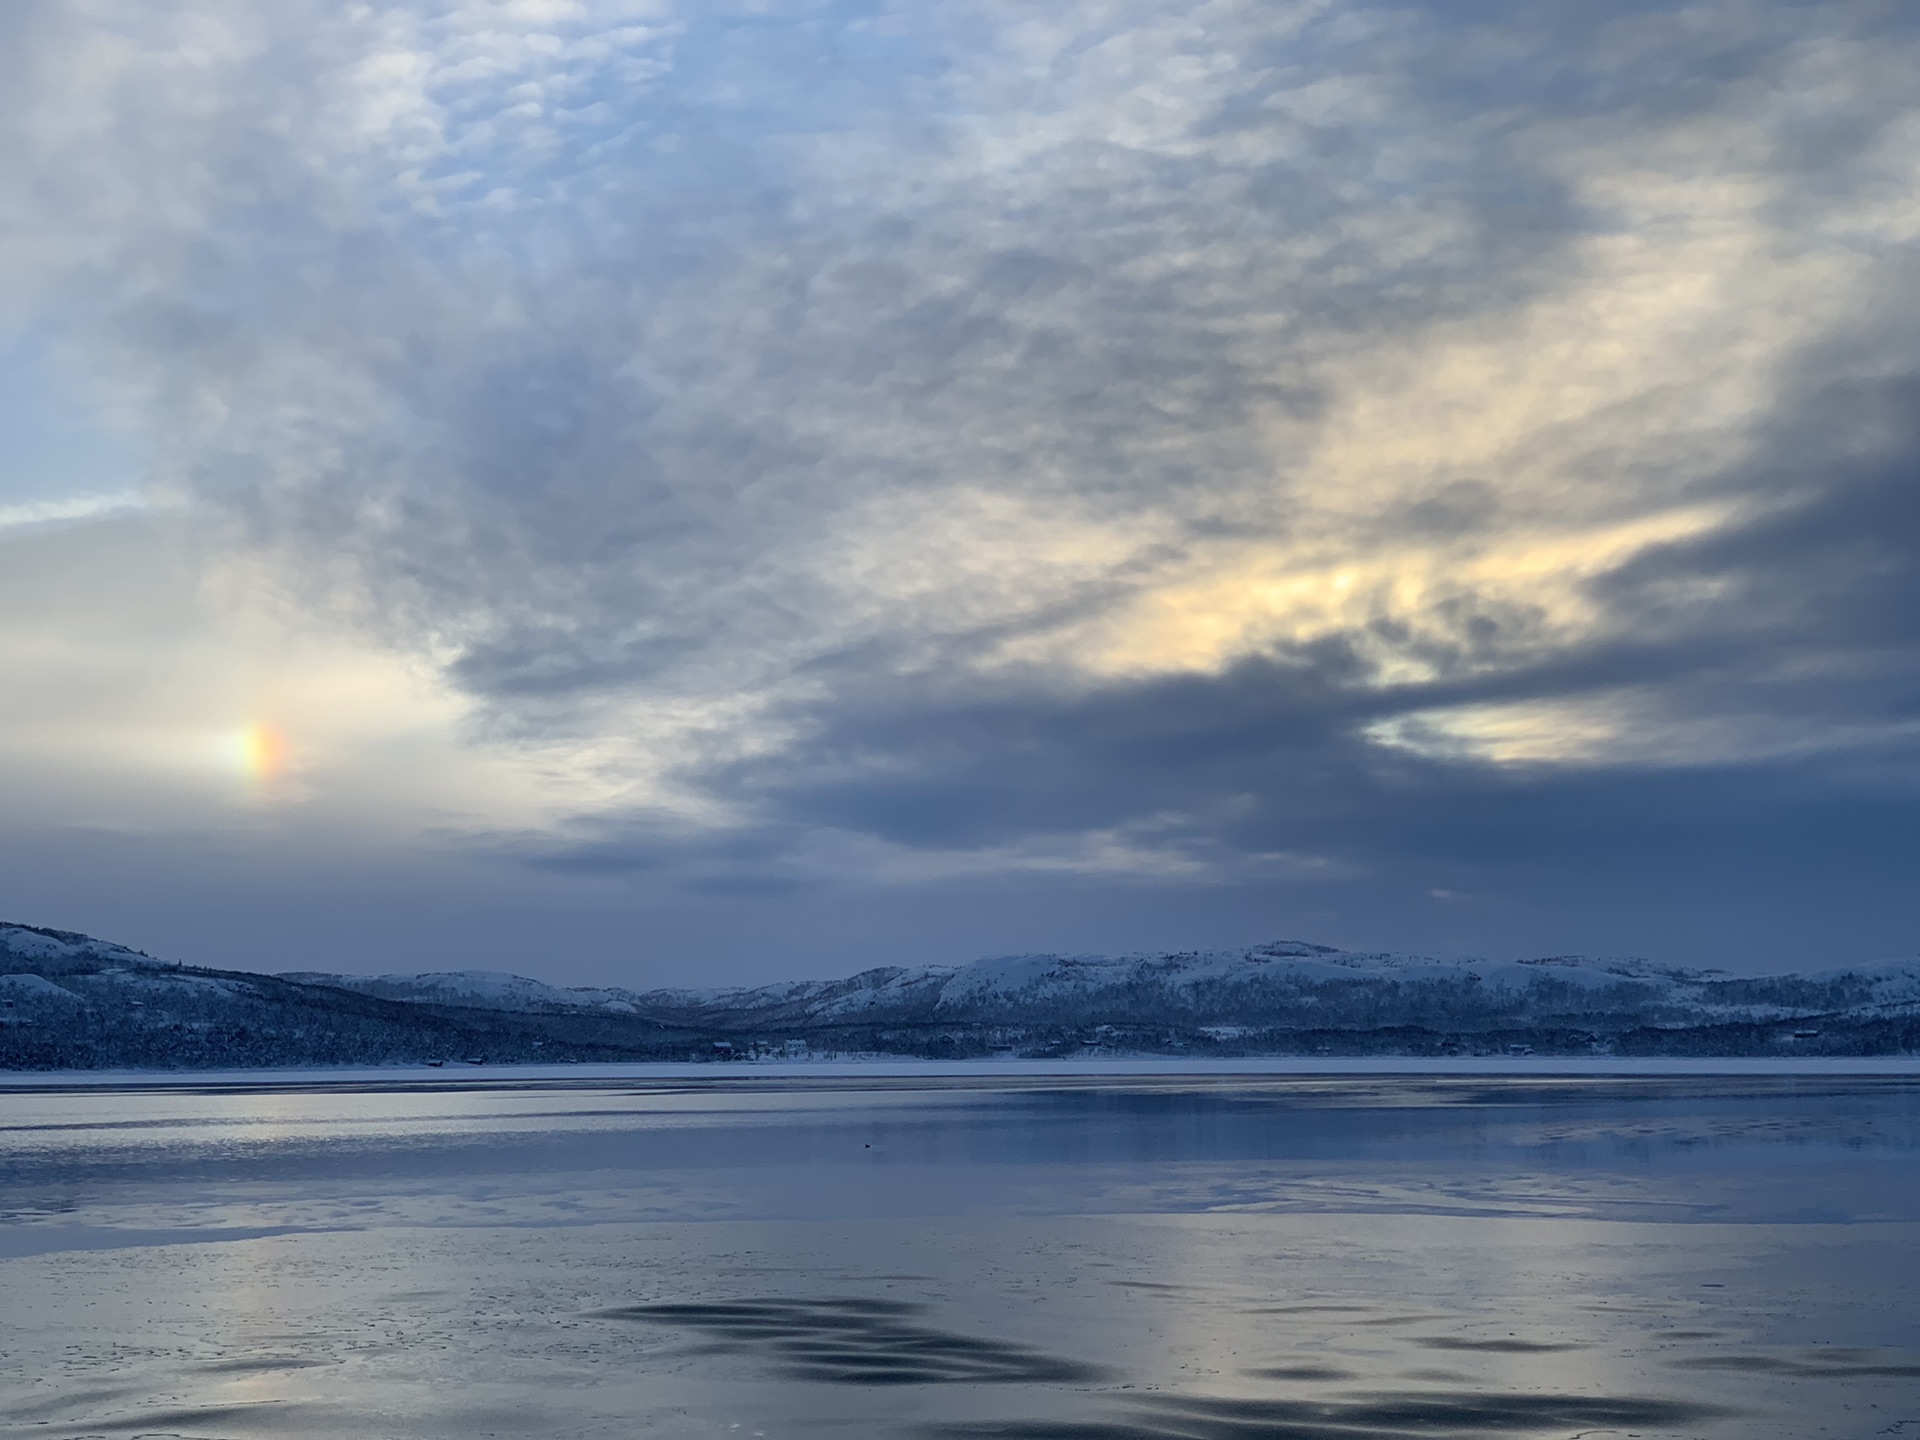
(455, 1076)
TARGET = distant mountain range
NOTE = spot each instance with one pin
(70, 1001)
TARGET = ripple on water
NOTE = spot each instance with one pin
(1384, 1416)
(863, 1342)
(874, 1342)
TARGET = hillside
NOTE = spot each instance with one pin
(1284, 998)
(70, 1001)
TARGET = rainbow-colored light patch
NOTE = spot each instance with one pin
(262, 751)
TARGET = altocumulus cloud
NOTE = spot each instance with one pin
(1441, 450)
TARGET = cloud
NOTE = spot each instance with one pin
(79, 507)
(145, 694)
(863, 442)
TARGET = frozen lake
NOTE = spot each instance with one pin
(1056, 1257)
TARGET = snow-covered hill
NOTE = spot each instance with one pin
(69, 1000)
(1287, 985)
(50, 952)
(485, 989)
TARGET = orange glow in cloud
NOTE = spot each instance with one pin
(264, 751)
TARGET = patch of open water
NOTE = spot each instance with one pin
(1101, 1258)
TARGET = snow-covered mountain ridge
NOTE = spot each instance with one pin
(70, 1001)
(67, 950)
(1285, 983)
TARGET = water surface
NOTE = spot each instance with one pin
(1060, 1259)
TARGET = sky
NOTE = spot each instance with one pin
(654, 492)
